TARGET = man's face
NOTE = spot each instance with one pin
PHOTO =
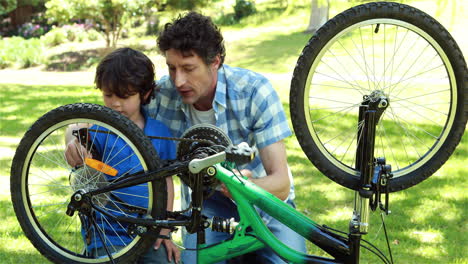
(195, 81)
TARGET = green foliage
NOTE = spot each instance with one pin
(7, 5)
(110, 14)
(20, 52)
(75, 32)
(152, 25)
(93, 35)
(243, 8)
(225, 20)
(186, 4)
(55, 37)
(69, 33)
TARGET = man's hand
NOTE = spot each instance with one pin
(244, 172)
(172, 250)
(75, 153)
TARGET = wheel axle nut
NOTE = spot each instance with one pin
(211, 171)
(77, 197)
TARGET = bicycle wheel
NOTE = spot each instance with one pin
(392, 50)
(42, 183)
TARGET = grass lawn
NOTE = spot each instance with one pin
(427, 224)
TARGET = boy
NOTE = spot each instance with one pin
(126, 79)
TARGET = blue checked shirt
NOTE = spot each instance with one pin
(246, 107)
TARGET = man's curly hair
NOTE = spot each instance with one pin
(193, 32)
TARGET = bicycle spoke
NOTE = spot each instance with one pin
(412, 77)
(342, 78)
(420, 105)
(389, 143)
(349, 146)
(336, 79)
(345, 68)
(365, 61)
(396, 118)
(336, 86)
(347, 109)
(409, 68)
(421, 95)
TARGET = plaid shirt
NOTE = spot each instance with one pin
(246, 107)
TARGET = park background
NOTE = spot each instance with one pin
(40, 72)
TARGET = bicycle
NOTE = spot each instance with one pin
(56, 205)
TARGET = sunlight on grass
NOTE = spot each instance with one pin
(429, 236)
(339, 214)
(451, 193)
(431, 251)
(429, 207)
(8, 144)
(16, 245)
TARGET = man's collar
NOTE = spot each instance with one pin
(221, 86)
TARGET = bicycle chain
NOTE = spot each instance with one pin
(158, 137)
(181, 139)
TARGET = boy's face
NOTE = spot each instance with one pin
(195, 81)
(129, 106)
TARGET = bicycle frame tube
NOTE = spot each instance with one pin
(143, 177)
(252, 234)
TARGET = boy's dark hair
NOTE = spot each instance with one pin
(193, 32)
(126, 72)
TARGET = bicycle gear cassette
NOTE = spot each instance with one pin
(202, 141)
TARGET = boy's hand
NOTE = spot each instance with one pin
(244, 172)
(173, 252)
(75, 153)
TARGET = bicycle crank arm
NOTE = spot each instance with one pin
(197, 165)
(240, 154)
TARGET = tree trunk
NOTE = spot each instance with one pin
(21, 15)
(107, 33)
(318, 15)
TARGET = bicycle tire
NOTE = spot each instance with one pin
(348, 58)
(42, 184)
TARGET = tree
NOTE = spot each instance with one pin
(6, 6)
(19, 11)
(318, 14)
(185, 4)
(110, 14)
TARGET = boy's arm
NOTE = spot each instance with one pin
(75, 152)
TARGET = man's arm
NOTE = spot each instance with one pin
(173, 252)
(276, 167)
(277, 180)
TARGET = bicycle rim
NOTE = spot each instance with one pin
(380, 53)
(404, 115)
(47, 183)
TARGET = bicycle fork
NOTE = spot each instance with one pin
(370, 112)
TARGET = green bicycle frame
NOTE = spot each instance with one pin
(252, 234)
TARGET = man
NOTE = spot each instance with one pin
(201, 89)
